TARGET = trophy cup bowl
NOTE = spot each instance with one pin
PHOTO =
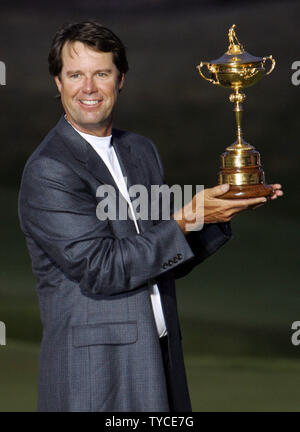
(240, 163)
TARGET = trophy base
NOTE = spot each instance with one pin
(241, 169)
(248, 191)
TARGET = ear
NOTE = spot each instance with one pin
(121, 81)
(58, 83)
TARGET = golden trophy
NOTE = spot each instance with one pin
(240, 163)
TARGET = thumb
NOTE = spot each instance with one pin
(219, 190)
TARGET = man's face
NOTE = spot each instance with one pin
(89, 84)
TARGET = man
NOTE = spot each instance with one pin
(111, 335)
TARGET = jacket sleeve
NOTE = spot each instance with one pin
(58, 211)
(204, 242)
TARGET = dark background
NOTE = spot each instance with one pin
(237, 308)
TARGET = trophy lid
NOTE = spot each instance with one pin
(235, 53)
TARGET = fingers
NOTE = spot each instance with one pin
(218, 190)
(256, 207)
(245, 203)
(276, 186)
(276, 195)
(238, 206)
(218, 209)
(277, 191)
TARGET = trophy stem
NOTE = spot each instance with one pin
(238, 115)
(237, 98)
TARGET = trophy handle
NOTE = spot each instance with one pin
(203, 76)
(272, 64)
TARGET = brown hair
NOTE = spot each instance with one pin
(92, 34)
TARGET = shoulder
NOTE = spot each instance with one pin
(49, 159)
(47, 165)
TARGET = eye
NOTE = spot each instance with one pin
(74, 76)
(102, 74)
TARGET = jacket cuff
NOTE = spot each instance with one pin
(179, 250)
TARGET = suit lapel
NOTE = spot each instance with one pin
(84, 152)
(98, 168)
(130, 164)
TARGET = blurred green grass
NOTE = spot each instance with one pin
(18, 376)
(243, 383)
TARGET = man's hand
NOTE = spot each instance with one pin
(277, 193)
(209, 207)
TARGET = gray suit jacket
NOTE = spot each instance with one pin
(100, 349)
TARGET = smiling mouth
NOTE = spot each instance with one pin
(89, 102)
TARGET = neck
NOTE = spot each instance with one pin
(100, 131)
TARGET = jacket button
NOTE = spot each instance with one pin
(170, 262)
(179, 256)
(175, 259)
(164, 266)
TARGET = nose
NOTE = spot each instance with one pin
(89, 86)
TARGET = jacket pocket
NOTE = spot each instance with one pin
(118, 333)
